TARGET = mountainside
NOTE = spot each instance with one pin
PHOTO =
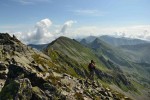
(115, 54)
(121, 41)
(138, 51)
(27, 74)
(75, 51)
(125, 60)
(133, 69)
(72, 54)
(132, 56)
(60, 72)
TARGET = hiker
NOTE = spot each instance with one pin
(91, 68)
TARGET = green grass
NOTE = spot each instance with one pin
(44, 61)
(70, 51)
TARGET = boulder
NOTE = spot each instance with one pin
(25, 90)
(110, 94)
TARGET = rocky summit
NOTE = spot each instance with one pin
(28, 74)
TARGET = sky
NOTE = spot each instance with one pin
(41, 21)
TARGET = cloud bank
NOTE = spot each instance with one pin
(42, 32)
(137, 31)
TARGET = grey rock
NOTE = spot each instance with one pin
(38, 94)
(104, 93)
(25, 89)
(109, 94)
(50, 87)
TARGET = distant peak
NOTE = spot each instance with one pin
(97, 40)
(63, 37)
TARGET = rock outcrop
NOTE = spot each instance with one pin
(22, 84)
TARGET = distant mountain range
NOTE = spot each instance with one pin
(115, 41)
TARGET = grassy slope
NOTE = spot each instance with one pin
(110, 52)
(136, 55)
(123, 58)
(138, 51)
(141, 59)
(138, 73)
(75, 51)
(74, 58)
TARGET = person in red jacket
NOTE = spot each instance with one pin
(91, 68)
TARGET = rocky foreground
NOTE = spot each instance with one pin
(23, 84)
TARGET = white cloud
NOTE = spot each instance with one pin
(42, 31)
(89, 12)
(66, 26)
(86, 11)
(40, 34)
(25, 2)
(30, 2)
(138, 31)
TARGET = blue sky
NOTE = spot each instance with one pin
(114, 15)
